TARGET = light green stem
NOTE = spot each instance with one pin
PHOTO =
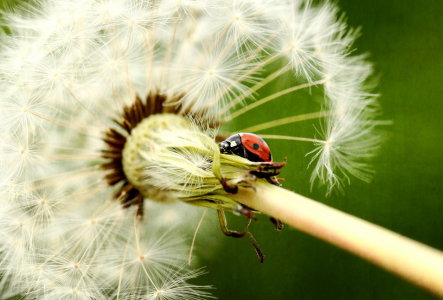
(415, 262)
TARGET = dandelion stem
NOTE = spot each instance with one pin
(409, 259)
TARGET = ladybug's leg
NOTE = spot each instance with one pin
(230, 188)
(224, 226)
(245, 211)
(277, 223)
(267, 169)
(228, 232)
(256, 246)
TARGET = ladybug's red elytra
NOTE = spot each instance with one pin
(247, 145)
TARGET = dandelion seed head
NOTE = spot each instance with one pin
(106, 105)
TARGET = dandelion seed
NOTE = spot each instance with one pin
(106, 105)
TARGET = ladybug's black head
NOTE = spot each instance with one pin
(224, 147)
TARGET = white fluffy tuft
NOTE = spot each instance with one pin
(68, 69)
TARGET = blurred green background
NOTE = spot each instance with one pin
(405, 42)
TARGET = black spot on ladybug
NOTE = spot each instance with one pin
(256, 146)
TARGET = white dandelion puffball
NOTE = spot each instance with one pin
(77, 78)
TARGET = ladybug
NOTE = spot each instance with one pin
(253, 148)
(247, 145)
